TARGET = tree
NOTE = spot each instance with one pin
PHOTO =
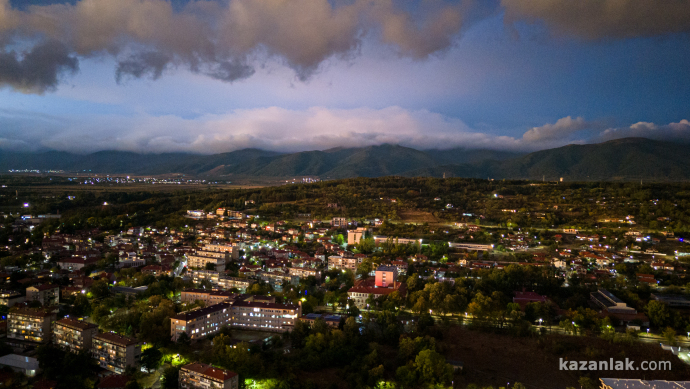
(151, 358)
(81, 306)
(367, 245)
(132, 384)
(171, 377)
(432, 368)
(184, 339)
(100, 289)
(658, 313)
(669, 336)
(210, 266)
(586, 383)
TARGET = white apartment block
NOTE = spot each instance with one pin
(202, 257)
(200, 322)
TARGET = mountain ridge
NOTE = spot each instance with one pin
(621, 159)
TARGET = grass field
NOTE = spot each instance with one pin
(497, 359)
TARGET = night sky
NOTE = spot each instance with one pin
(290, 75)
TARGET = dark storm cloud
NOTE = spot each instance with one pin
(38, 70)
(150, 63)
(600, 19)
(221, 34)
(232, 71)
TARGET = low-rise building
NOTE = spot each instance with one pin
(115, 352)
(46, 294)
(240, 284)
(625, 383)
(304, 272)
(209, 297)
(364, 288)
(202, 376)
(9, 298)
(210, 275)
(610, 303)
(28, 366)
(330, 319)
(672, 300)
(344, 262)
(73, 335)
(32, 325)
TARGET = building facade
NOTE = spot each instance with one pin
(209, 297)
(73, 335)
(241, 284)
(200, 322)
(386, 276)
(9, 298)
(265, 316)
(304, 272)
(343, 263)
(203, 257)
(46, 294)
(203, 376)
(115, 352)
(32, 325)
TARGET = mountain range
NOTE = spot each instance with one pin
(621, 160)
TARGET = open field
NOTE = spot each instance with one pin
(497, 359)
(415, 216)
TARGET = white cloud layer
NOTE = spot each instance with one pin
(286, 130)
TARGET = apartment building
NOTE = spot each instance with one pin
(277, 278)
(46, 294)
(9, 298)
(339, 222)
(232, 249)
(32, 325)
(355, 236)
(228, 283)
(209, 297)
(203, 376)
(73, 335)
(115, 352)
(200, 322)
(209, 275)
(385, 276)
(343, 263)
(267, 316)
(203, 257)
(304, 272)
